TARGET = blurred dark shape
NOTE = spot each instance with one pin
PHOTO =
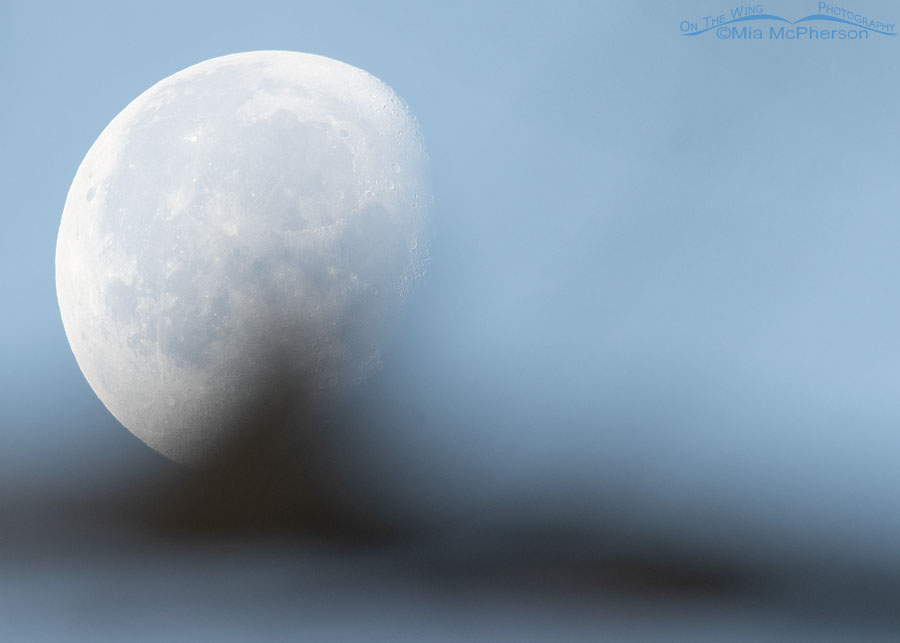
(288, 483)
(292, 496)
(568, 562)
(280, 472)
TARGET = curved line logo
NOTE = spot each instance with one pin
(748, 22)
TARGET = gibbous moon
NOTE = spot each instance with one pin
(248, 226)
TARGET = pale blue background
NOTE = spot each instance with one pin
(664, 295)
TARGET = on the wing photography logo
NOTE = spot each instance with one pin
(754, 22)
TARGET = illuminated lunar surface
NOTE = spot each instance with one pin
(246, 228)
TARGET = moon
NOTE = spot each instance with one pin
(247, 228)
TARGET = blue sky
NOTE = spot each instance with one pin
(664, 264)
